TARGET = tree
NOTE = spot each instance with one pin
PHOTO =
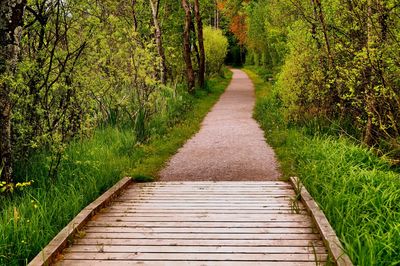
(11, 20)
(158, 36)
(187, 47)
(201, 43)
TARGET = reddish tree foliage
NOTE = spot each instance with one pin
(238, 27)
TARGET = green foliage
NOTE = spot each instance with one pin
(336, 62)
(358, 191)
(216, 49)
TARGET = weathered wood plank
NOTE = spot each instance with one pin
(181, 263)
(212, 208)
(178, 219)
(196, 256)
(213, 183)
(205, 204)
(121, 212)
(247, 224)
(206, 215)
(205, 199)
(201, 249)
(215, 191)
(200, 242)
(190, 210)
(226, 230)
(261, 236)
(210, 193)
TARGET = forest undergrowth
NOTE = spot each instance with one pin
(358, 191)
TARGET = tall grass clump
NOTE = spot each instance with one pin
(31, 218)
(358, 191)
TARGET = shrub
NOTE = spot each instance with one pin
(216, 48)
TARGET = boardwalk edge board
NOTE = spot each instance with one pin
(48, 255)
(329, 236)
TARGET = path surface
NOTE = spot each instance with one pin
(200, 223)
(230, 145)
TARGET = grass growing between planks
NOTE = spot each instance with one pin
(30, 220)
(358, 191)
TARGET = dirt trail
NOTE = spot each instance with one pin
(230, 145)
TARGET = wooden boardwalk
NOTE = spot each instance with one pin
(200, 223)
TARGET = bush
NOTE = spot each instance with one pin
(216, 48)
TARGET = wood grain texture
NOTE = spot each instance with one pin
(200, 223)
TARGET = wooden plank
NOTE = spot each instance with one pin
(201, 249)
(205, 190)
(204, 199)
(121, 211)
(260, 236)
(59, 242)
(208, 215)
(190, 210)
(201, 242)
(178, 219)
(206, 208)
(331, 241)
(211, 191)
(195, 256)
(225, 230)
(247, 224)
(181, 263)
(214, 183)
(205, 204)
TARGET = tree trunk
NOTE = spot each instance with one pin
(368, 75)
(135, 24)
(186, 47)
(325, 32)
(202, 63)
(158, 37)
(11, 15)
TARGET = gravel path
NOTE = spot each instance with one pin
(230, 145)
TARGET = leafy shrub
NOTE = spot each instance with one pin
(216, 48)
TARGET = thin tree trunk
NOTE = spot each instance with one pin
(135, 24)
(368, 72)
(186, 47)
(11, 15)
(325, 32)
(158, 37)
(200, 39)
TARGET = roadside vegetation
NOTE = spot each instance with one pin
(358, 191)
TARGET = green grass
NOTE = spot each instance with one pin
(358, 191)
(28, 221)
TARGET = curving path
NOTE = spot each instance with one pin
(230, 145)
